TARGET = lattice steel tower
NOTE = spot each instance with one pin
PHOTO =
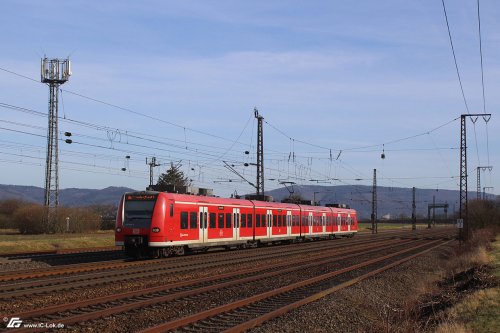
(260, 153)
(54, 72)
(374, 203)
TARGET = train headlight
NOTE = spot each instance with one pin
(118, 229)
(155, 229)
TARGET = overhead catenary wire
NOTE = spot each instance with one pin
(481, 54)
(482, 76)
(197, 154)
(126, 109)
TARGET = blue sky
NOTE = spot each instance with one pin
(326, 75)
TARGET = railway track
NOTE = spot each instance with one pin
(197, 289)
(253, 311)
(70, 278)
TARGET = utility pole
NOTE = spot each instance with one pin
(260, 154)
(152, 164)
(54, 72)
(463, 211)
(433, 211)
(484, 191)
(479, 169)
(374, 203)
(413, 212)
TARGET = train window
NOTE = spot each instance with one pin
(193, 220)
(279, 221)
(221, 220)
(171, 210)
(228, 220)
(263, 219)
(250, 220)
(213, 218)
(243, 220)
(257, 220)
(184, 220)
(275, 221)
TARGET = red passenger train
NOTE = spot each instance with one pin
(158, 224)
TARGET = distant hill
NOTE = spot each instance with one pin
(393, 202)
(67, 197)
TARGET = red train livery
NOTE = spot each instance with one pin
(159, 224)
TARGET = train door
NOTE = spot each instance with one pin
(310, 220)
(323, 222)
(288, 223)
(339, 220)
(203, 224)
(349, 222)
(269, 222)
(343, 222)
(236, 223)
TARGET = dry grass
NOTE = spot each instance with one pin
(452, 328)
(478, 310)
(32, 243)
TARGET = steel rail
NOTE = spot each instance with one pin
(276, 313)
(182, 322)
(89, 267)
(71, 282)
(198, 284)
(199, 281)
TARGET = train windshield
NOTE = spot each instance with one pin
(138, 210)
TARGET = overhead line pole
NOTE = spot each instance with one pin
(152, 164)
(479, 169)
(374, 203)
(463, 211)
(413, 212)
(260, 154)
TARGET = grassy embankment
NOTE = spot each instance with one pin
(479, 311)
(12, 242)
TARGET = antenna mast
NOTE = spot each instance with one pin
(54, 72)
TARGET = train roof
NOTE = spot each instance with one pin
(245, 202)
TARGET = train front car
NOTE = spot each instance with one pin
(139, 219)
